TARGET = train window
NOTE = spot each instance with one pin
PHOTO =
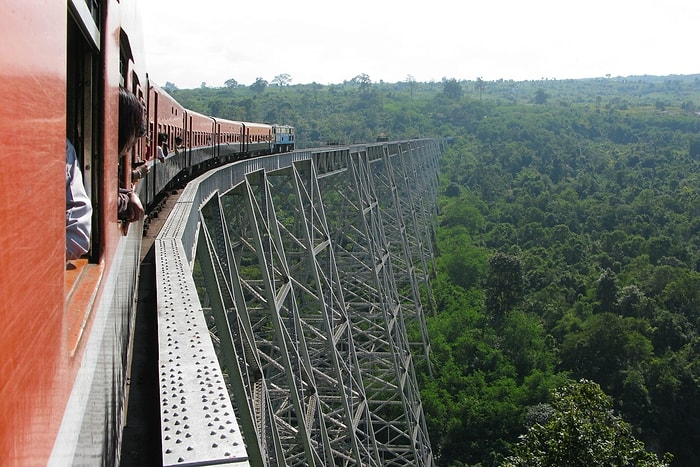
(84, 108)
(139, 151)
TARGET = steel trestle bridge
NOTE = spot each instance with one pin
(292, 291)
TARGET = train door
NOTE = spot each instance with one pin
(153, 130)
(217, 139)
(189, 139)
(246, 140)
(84, 102)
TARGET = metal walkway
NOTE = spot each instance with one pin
(286, 289)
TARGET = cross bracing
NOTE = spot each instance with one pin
(310, 270)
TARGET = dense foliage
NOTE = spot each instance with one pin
(568, 242)
(579, 428)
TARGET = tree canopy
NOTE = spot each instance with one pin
(581, 429)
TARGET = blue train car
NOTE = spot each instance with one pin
(282, 138)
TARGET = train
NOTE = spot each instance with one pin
(198, 143)
(67, 326)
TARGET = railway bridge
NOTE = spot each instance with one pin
(291, 292)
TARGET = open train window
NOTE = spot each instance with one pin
(84, 107)
(84, 102)
(129, 80)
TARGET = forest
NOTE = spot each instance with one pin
(567, 283)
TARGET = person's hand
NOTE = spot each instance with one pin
(134, 209)
(140, 172)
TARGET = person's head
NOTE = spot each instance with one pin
(131, 120)
(162, 138)
(178, 140)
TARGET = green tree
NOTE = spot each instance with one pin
(215, 108)
(363, 80)
(694, 150)
(524, 343)
(452, 89)
(606, 347)
(541, 97)
(452, 190)
(606, 291)
(411, 81)
(582, 430)
(464, 263)
(658, 247)
(480, 86)
(282, 80)
(504, 284)
(259, 85)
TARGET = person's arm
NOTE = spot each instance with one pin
(78, 208)
(129, 206)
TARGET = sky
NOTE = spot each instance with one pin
(190, 42)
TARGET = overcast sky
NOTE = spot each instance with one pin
(188, 42)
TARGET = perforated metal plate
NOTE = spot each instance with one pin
(198, 424)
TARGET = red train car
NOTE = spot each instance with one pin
(165, 115)
(258, 138)
(65, 324)
(230, 135)
(200, 130)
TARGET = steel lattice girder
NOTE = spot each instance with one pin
(297, 270)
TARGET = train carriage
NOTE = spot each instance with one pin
(257, 138)
(165, 115)
(68, 325)
(65, 323)
(229, 142)
(200, 135)
(283, 138)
